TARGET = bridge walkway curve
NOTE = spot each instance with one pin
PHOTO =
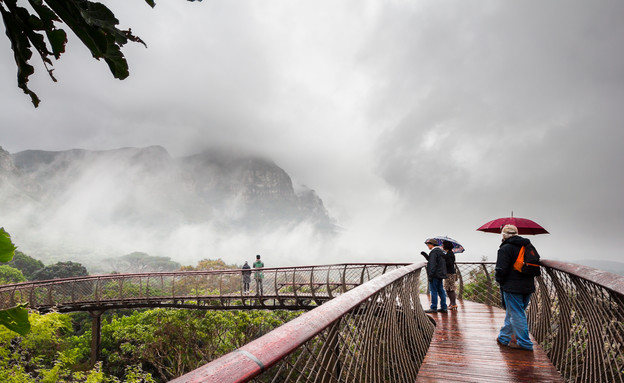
(464, 349)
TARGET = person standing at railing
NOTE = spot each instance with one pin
(451, 276)
(246, 278)
(258, 275)
(436, 272)
(516, 290)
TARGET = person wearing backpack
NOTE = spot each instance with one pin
(517, 285)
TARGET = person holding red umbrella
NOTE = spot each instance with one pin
(516, 290)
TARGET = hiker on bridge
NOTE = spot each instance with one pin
(258, 275)
(516, 290)
(246, 278)
(436, 272)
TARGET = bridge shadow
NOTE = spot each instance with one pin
(464, 349)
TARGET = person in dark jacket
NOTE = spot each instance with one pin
(246, 278)
(516, 290)
(436, 272)
(451, 276)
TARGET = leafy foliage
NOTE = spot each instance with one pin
(7, 248)
(50, 353)
(170, 343)
(141, 346)
(16, 318)
(60, 270)
(93, 23)
(26, 264)
(210, 264)
(139, 262)
(10, 274)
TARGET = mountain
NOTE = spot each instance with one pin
(146, 192)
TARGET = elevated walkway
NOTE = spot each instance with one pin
(464, 349)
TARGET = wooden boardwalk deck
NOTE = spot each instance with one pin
(464, 349)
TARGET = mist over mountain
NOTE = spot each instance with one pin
(84, 205)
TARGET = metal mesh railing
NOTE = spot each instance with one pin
(377, 332)
(475, 282)
(577, 315)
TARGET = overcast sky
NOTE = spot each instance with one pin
(409, 118)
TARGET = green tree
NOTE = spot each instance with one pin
(26, 264)
(60, 270)
(169, 343)
(138, 262)
(10, 275)
(210, 264)
(36, 31)
(51, 353)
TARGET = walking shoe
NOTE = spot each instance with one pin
(442, 311)
(500, 342)
(516, 346)
(431, 311)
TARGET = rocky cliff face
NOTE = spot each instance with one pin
(146, 186)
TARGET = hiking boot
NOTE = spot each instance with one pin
(431, 311)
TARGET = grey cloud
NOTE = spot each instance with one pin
(410, 119)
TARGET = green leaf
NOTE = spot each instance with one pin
(16, 319)
(7, 248)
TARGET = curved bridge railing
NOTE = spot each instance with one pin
(576, 315)
(377, 332)
(302, 287)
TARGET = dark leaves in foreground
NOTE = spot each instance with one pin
(93, 23)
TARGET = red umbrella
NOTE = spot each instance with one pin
(524, 225)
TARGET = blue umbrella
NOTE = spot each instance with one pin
(457, 248)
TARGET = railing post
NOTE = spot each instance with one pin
(488, 283)
(96, 324)
(329, 291)
(461, 284)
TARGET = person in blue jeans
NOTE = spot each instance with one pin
(436, 272)
(516, 291)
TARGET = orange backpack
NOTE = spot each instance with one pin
(528, 261)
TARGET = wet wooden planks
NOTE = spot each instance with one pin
(464, 349)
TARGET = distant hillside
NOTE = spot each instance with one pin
(610, 266)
